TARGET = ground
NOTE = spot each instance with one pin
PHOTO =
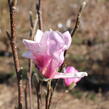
(89, 51)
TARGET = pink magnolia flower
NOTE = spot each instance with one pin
(47, 51)
(70, 75)
(69, 81)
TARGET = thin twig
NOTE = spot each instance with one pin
(46, 98)
(8, 35)
(37, 87)
(33, 27)
(25, 92)
(51, 92)
(31, 19)
(29, 82)
(12, 37)
(39, 13)
(30, 69)
(47, 95)
(50, 98)
(78, 19)
(72, 34)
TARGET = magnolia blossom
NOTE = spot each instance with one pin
(47, 52)
(70, 75)
(73, 71)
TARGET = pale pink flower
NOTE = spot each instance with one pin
(70, 75)
(47, 51)
(69, 81)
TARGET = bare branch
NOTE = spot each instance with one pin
(26, 95)
(12, 37)
(48, 95)
(33, 28)
(39, 13)
(78, 19)
(72, 34)
(31, 19)
(8, 35)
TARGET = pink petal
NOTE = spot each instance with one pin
(75, 75)
(38, 36)
(34, 48)
(67, 39)
(46, 65)
(31, 45)
(59, 56)
(69, 81)
(52, 41)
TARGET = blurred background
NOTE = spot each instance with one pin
(89, 51)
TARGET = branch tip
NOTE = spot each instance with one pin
(78, 18)
(8, 35)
